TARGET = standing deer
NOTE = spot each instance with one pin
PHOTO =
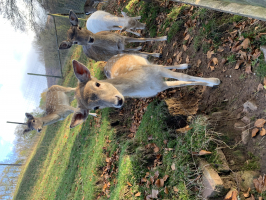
(57, 108)
(129, 76)
(104, 21)
(90, 6)
(107, 44)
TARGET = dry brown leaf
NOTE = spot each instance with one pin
(239, 62)
(259, 123)
(260, 198)
(154, 193)
(263, 132)
(231, 195)
(184, 47)
(129, 184)
(204, 152)
(148, 184)
(212, 68)
(236, 48)
(223, 61)
(157, 183)
(233, 34)
(187, 59)
(156, 149)
(209, 54)
(248, 69)
(156, 174)
(138, 194)
(220, 49)
(245, 43)
(243, 55)
(187, 37)
(166, 190)
(144, 180)
(151, 179)
(258, 36)
(179, 56)
(256, 54)
(175, 189)
(260, 87)
(241, 38)
(173, 166)
(246, 194)
(215, 61)
(260, 184)
(254, 132)
(108, 159)
(198, 62)
(165, 177)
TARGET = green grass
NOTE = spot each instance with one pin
(231, 58)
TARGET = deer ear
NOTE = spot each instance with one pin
(29, 116)
(65, 45)
(124, 14)
(73, 18)
(27, 130)
(81, 71)
(79, 117)
(123, 29)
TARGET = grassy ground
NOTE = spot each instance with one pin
(68, 164)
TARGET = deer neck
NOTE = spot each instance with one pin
(124, 85)
(47, 120)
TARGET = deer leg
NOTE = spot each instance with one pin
(173, 84)
(62, 89)
(137, 17)
(129, 39)
(181, 66)
(184, 77)
(146, 54)
(133, 49)
(128, 30)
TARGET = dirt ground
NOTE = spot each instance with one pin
(227, 99)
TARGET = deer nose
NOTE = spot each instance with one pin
(120, 101)
(39, 130)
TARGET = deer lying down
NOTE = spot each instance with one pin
(107, 44)
(104, 21)
(129, 76)
(57, 108)
(90, 6)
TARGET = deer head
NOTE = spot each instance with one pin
(132, 23)
(33, 124)
(92, 93)
(76, 34)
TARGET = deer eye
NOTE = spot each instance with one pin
(97, 84)
(33, 121)
(75, 42)
(79, 28)
(96, 108)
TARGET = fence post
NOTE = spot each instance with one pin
(16, 123)
(45, 75)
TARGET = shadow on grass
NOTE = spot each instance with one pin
(31, 173)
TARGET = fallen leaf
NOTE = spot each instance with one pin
(198, 62)
(260, 198)
(129, 184)
(215, 61)
(241, 38)
(151, 179)
(144, 180)
(259, 123)
(179, 56)
(173, 166)
(187, 37)
(187, 59)
(220, 49)
(246, 194)
(175, 189)
(138, 194)
(248, 69)
(263, 132)
(108, 159)
(157, 183)
(166, 190)
(154, 193)
(209, 54)
(156, 149)
(256, 54)
(148, 184)
(239, 62)
(156, 174)
(184, 47)
(260, 34)
(260, 184)
(165, 177)
(236, 48)
(161, 182)
(165, 142)
(254, 132)
(243, 55)
(231, 195)
(224, 60)
(204, 152)
(233, 34)
(260, 87)
(212, 68)
(245, 43)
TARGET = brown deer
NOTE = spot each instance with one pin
(57, 108)
(103, 45)
(128, 76)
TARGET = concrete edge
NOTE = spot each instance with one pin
(232, 8)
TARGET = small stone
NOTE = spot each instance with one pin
(223, 168)
(212, 182)
(245, 136)
(246, 120)
(249, 105)
(239, 126)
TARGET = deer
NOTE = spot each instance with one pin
(58, 107)
(90, 6)
(104, 21)
(128, 75)
(102, 45)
